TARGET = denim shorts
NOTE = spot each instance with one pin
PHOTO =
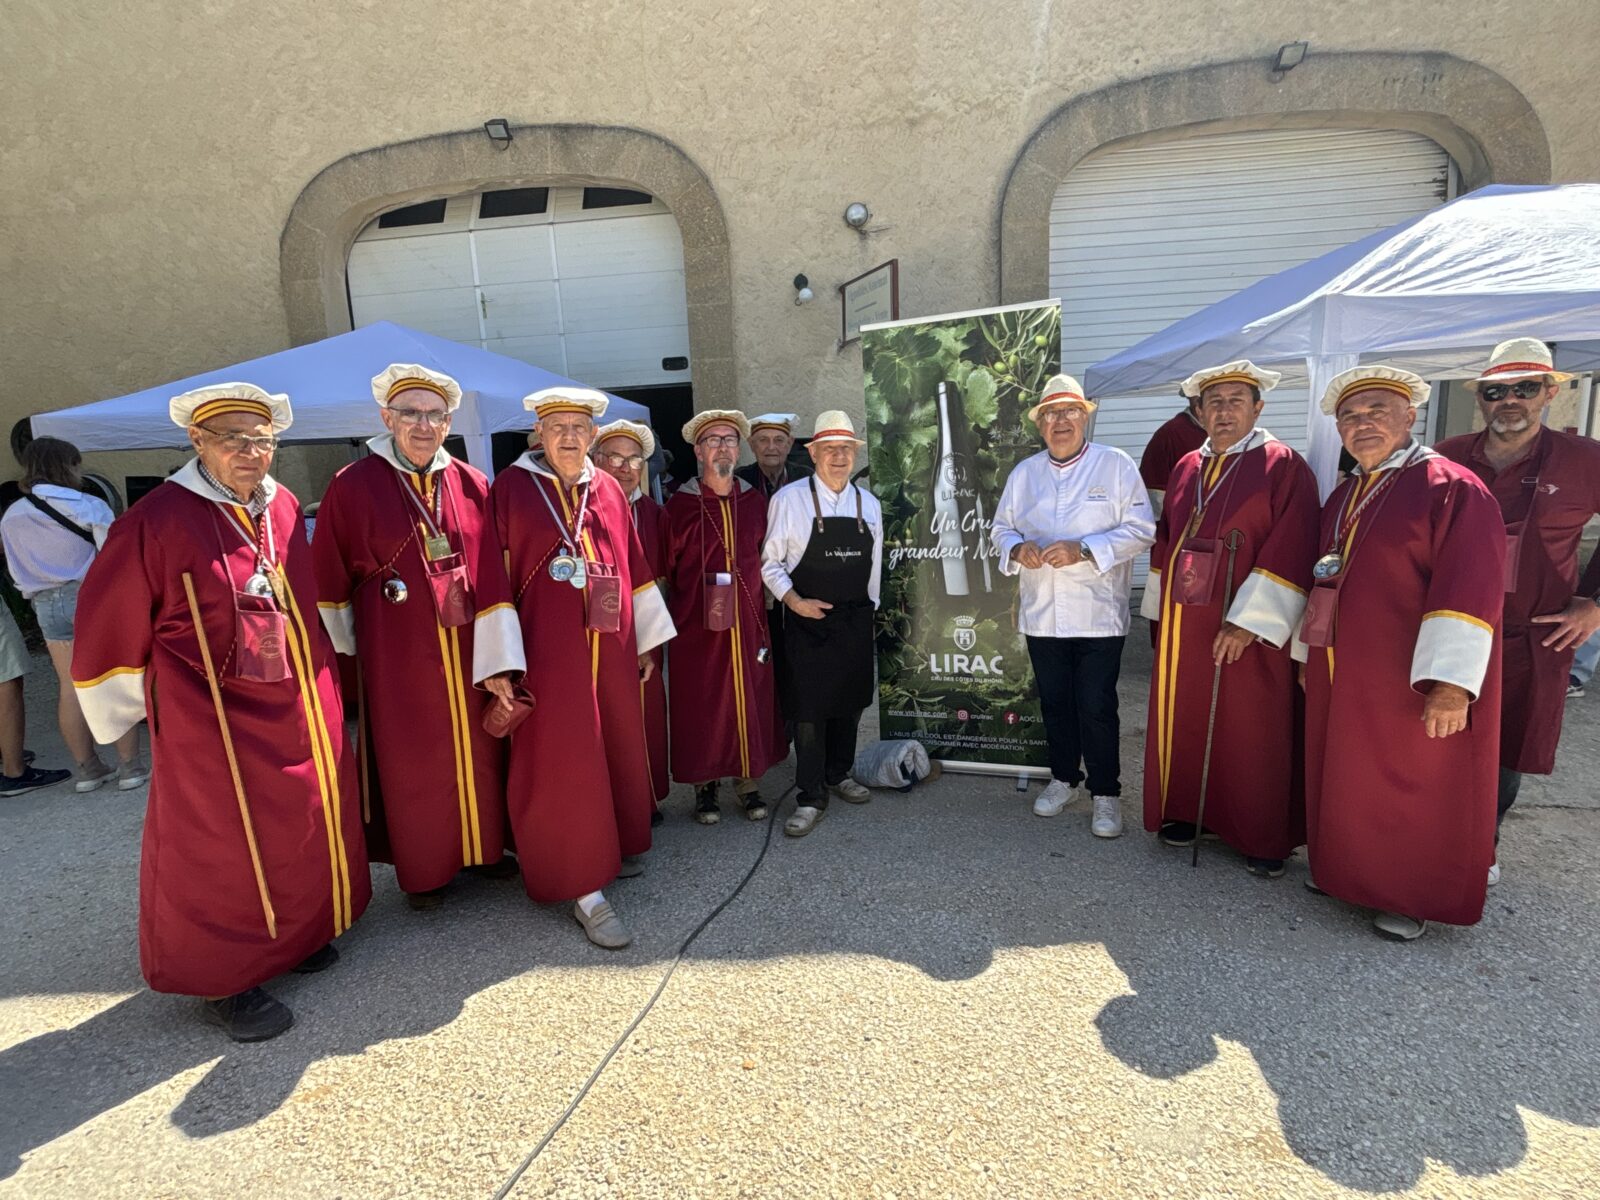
(55, 607)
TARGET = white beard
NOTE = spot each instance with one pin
(1509, 424)
(722, 469)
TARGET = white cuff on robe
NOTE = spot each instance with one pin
(1452, 647)
(1298, 650)
(340, 622)
(112, 703)
(1150, 602)
(1268, 606)
(652, 623)
(497, 642)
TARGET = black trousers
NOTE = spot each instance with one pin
(1077, 680)
(824, 752)
(1506, 795)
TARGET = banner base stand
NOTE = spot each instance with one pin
(1022, 775)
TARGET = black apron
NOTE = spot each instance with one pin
(827, 668)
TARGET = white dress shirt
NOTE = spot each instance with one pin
(791, 520)
(1096, 498)
(43, 555)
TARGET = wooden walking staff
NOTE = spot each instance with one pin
(1233, 542)
(233, 761)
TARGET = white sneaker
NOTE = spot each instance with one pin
(848, 789)
(1107, 820)
(1398, 927)
(92, 774)
(131, 775)
(1056, 796)
(1494, 873)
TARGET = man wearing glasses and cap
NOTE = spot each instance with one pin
(1070, 522)
(1401, 636)
(202, 605)
(724, 712)
(771, 439)
(621, 450)
(1548, 486)
(822, 559)
(396, 553)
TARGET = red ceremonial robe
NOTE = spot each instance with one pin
(440, 803)
(203, 927)
(1564, 471)
(1179, 435)
(578, 781)
(723, 701)
(1396, 820)
(1254, 797)
(648, 519)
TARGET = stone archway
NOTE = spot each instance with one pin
(334, 207)
(1487, 126)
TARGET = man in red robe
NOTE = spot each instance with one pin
(1403, 673)
(723, 701)
(1180, 435)
(253, 856)
(568, 601)
(396, 549)
(621, 449)
(1244, 481)
(1548, 486)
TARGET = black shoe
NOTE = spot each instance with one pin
(656, 817)
(1314, 889)
(30, 779)
(506, 868)
(251, 1016)
(321, 960)
(632, 866)
(1267, 868)
(706, 811)
(755, 808)
(423, 901)
(1177, 833)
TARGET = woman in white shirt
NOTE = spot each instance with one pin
(51, 536)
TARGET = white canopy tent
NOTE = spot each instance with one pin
(1432, 294)
(329, 384)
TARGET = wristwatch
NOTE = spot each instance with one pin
(1084, 553)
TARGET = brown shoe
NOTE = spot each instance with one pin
(422, 901)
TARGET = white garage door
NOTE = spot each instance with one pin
(1142, 237)
(586, 282)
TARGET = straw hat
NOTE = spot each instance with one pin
(834, 425)
(1241, 370)
(397, 377)
(1360, 379)
(1061, 389)
(1519, 358)
(217, 399)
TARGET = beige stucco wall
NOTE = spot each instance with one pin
(154, 153)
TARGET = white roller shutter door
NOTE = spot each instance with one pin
(593, 294)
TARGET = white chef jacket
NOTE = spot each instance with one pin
(1096, 498)
(791, 518)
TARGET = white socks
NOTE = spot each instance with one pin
(591, 902)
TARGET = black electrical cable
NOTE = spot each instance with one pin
(638, 1018)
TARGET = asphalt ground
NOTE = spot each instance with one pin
(935, 994)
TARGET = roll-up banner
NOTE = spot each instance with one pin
(947, 400)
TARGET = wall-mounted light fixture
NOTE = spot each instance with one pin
(499, 131)
(802, 290)
(857, 215)
(1290, 56)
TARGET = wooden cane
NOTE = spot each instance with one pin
(233, 761)
(1234, 539)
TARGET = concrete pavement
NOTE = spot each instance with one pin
(933, 994)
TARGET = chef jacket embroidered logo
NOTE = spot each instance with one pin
(1097, 492)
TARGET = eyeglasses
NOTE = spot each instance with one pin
(714, 440)
(420, 416)
(634, 461)
(1050, 415)
(1523, 389)
(238, 443)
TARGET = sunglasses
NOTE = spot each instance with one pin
(1525, 389)
(617, 460)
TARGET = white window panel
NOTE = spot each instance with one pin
(516, 254)
(627, 358)
(522, 310)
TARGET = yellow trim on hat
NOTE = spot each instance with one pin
(229, 404)
(1382, 385)
(1230, 377)
(427, 385)
(543, 410)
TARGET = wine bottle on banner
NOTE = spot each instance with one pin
(957, 522)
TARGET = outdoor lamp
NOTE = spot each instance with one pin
(802, 290)
(857, 215)
(1290, 55)
(499, 131)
